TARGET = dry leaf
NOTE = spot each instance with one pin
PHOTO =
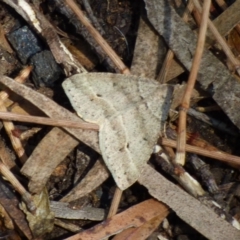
(133, 217)
(142, 232)
(147, 42)
(196, 214)
(43, 220)
(130, 112)
(149, 52)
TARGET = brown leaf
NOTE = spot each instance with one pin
(142, 232)
(134, 216)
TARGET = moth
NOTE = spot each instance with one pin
(130, 112)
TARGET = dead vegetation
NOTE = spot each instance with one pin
(153, 152)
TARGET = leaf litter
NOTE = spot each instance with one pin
(125, 117)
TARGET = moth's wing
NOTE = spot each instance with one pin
(129, 112)
(89, 104)
(134, 138)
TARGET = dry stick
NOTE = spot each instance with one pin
(67, 225)
(221, 4)
(92, 17)
(181, 140)
(170, 54)
(48, 121)
(220, 40)
(26, 196)
(29, 133)
(9, 127)
(218, 155)
(97, 36)
(115, 202)
(208, 109)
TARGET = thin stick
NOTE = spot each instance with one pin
(218, 155)
(8, 125)
(181, 140)
(170, 54)
(222, 4)
(92, 17)
(67, 225)
(221, 41)
(97, 36)
(115, 202)
(48, 121)
(26, 196)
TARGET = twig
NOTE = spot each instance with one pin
(216, 123)
(170, 54)
(26, 196)
(115, 202)
(218, 155)
(29, 133)
(208, 108)
(92, 17)
(202, 169)
(221, 4)
(190, 184)
(48, 121)
(100, 40)
(9, 127)
(67, 225)
(181, 141)
(220, 40)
